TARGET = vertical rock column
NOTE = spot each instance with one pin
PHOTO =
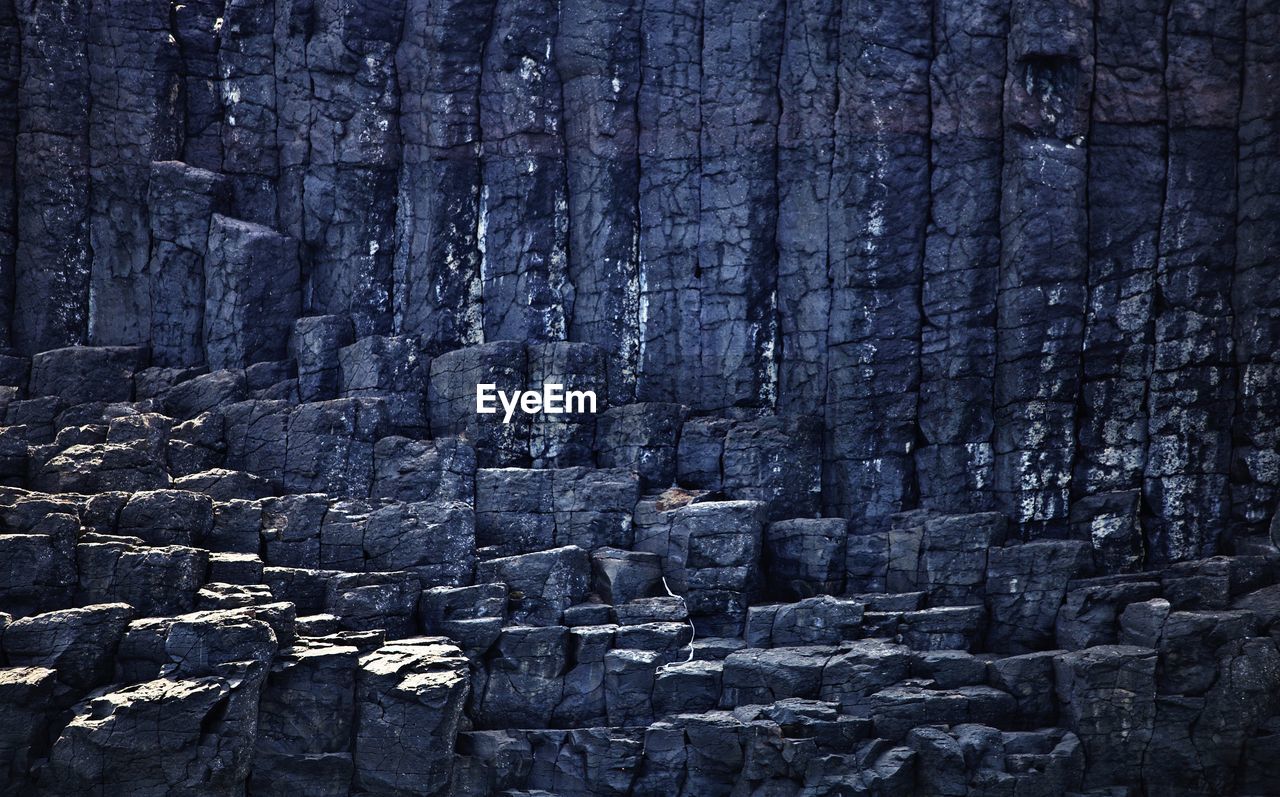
(10, 64)
(135, 118)
(52, 262)
(437, 265)
(1256, 291)
(181, 202)
(806, 129)
(669, 116)
(353, 160)
(878, 211)
(1126, 194)
(197, 26)
(1192, 387)
(1044, 258)
(295, 107)
(246, 68)
(251, 294)
(598, 57)
(738, 219)
(523, 205)
(962, 255)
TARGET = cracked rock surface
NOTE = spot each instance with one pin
(935, 449)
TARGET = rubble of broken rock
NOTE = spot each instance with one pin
(214, 587)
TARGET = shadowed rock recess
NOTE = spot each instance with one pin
(935, 345)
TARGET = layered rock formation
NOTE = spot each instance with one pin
(935, 445)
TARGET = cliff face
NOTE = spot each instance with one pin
(936, 350)
(1016, 254)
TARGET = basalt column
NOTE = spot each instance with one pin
(669, 113)
(135, 118)
(437, 265)
(807, 89)
(962, 255)
(738, 219)
(1192, 389)
(1044, 258)
(10, 64)
(197, 27)
(352, 167)
(247, 93)
(878, 211)
(523, 205)
(295, 109)
(52, 167)
(598, 57)
(1256, 292)
(1126, 192)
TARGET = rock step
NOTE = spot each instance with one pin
(596, 617)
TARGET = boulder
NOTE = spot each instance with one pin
(628, 685)
(330, 446)
(155, 581)
(525, 680)
(308, 702)
(167, 517)
(776, 459)
(290, 529)
(423, 470)
(191, 736)
(37, 572)
(452, 400)
(953, 557)
(390, 367)
(540, 585)
(252, 293)
(687, 687)
(1106, 696)
(722, 565)
(521, 510)
(805, 557)
(80, 374)
(1090, 612)
(641, 437)
(369, 601)
(584, 701)
(315, 344)
(26, 695)
(79, 644)
(623, 576)
(823, 620)
(103, 467)
(203, 643)
(761, 676)
(1025, 586)
(255, 433)
(224, 485)
(205, 392)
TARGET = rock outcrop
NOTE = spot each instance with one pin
(931, 446)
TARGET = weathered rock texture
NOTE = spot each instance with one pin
(934, 447)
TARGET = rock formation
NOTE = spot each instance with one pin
(935, 449)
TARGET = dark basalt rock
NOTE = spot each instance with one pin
(80, 374)
(409, 698)
(251, 293)
(934, 347)
(206, 723)
(79, 644)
